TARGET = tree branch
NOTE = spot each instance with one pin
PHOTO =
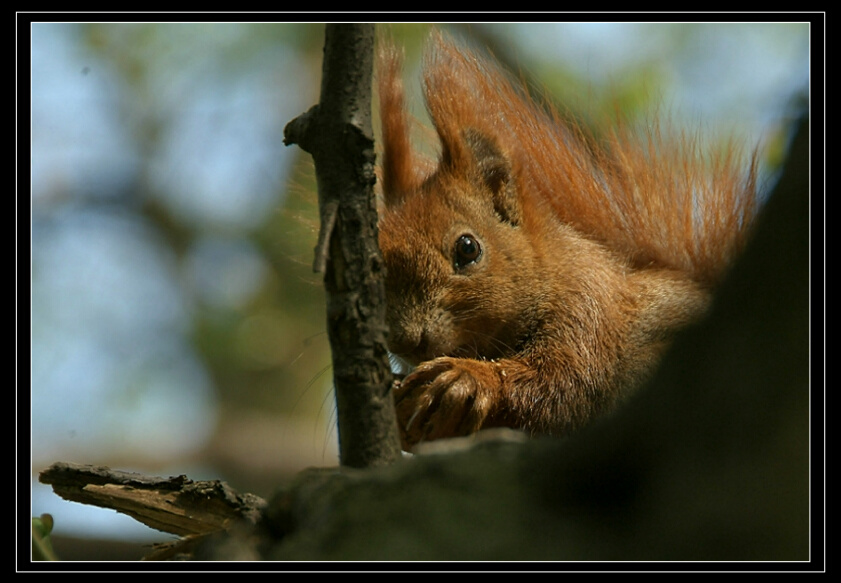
(338, 134)
(177, 505)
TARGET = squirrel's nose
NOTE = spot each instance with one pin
(411, 345)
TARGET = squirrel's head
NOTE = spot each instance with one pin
(457, 259)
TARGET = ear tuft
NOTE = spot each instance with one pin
(402, 170)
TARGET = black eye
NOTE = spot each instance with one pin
(467, 251)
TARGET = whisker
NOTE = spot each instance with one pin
(309, 385)
(331, 421)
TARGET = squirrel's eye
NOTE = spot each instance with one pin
(467, 251)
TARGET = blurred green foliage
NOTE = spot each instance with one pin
(263, 354)
(42, 548)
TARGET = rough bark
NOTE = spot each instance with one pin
(338, 134)
(175, 505)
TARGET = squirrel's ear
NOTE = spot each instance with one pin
(495, 173)
(402, 170)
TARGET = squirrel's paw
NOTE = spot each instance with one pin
(446, 397)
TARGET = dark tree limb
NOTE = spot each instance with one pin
(176, 505)
(338, 134)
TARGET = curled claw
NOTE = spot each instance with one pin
(446, 397)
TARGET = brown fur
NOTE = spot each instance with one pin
(592, 254)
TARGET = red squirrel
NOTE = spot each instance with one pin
(535, 274)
